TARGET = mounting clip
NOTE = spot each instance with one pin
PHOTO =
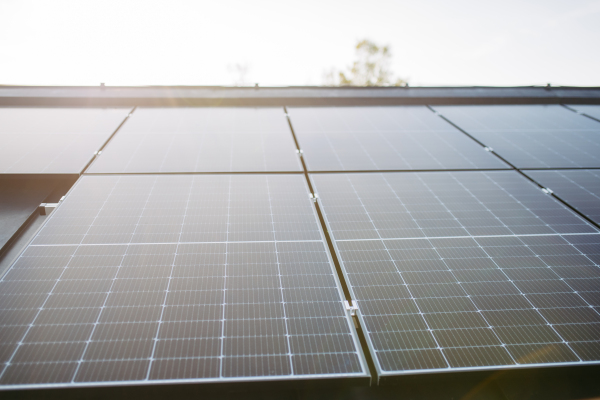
(314, 197)
(488, 149)
(47, 208)
(547, 191)
(300, 152)
(97, 153)
(350, 308)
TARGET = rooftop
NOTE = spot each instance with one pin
(300, 242)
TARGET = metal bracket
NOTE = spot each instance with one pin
(314, 197)
(47, 208)
(299, 152)
(488, 149)
(350, 308)
(547, 191)
(97, 153)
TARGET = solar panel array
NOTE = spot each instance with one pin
(465, 270)
(384, 138)
(532, 136)
(162, 265)
(580, 188)
(201, 140)
(188, 278)
(53, 140)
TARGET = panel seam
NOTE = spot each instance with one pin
(97, 153)
(334, 258)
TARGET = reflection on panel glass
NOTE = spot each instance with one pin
(384, 138)
(53, 140)
(160, 278)
(532, 136)
(579, 188)
(465, 269)
(201, 140)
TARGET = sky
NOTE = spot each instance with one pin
(293, 43)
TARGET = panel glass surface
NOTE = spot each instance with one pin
(580, 188)
(465, 270)
(176, 278)
(441, 204)
(532, 136)
(592, 111)
(53, 140)
(384, 138)
(201, 140)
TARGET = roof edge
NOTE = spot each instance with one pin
(161, 96)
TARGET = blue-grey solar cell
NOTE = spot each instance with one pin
(156, 140)
(53, 140)
(591, 110)
(532, 136)
(163, 278)
(464, 270)
(384, 138)
(441, 204)
(580, 188)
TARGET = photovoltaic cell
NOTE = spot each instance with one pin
(441, 204)
(384, 138)
(53, 140)
(579, 188)
(201, 140)
(532, 136)
(464, 270)
(187, 278)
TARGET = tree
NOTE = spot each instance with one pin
(240, 72)
(371, 68)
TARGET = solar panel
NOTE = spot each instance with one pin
(441, 204)
(532, 136)
(580, 188)
(201, 140)
(592, 111)
(53, 140)
(464, 270)
(384, 138)
(176, 278)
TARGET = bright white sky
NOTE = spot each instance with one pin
(433, 42)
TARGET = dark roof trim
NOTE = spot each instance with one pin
(151, 96)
